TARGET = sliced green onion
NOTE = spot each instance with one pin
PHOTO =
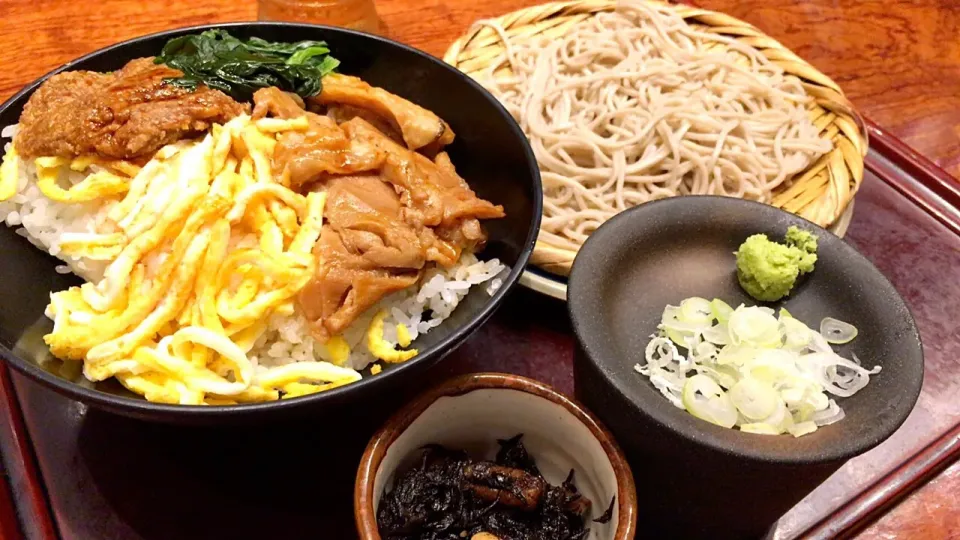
(735, 355)
(721, 310)
(780, 418)
(760, 429)
(717, 334)
(773, 366)
(754, 327)
(796, 335)
(704, 398)
(836, 331)
(832, 414)
(724, 375)
(802, 428)
(696, 310)
(754, 399)
(754, 369)
(680, 338)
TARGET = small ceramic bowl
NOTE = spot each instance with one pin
(471, 412)
(701, 480)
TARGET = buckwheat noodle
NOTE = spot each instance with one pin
(636, 105)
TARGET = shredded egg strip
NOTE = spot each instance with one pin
(187, 293)
(9, 174)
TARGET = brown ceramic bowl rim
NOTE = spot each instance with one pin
(363, 497)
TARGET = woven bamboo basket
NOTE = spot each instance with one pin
(820, 194)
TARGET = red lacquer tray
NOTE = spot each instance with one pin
(76, 473)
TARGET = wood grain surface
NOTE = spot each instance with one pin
(928, 514)
(898, 60)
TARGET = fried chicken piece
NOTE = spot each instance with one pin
(127, 114)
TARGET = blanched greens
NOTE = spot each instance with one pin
(238, 68)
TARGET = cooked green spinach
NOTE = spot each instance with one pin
(238, 68)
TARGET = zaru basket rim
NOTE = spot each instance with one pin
(820, 193)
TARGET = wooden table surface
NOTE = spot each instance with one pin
(898, 60)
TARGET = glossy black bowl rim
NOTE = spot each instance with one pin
(584, 324)
(147, 409)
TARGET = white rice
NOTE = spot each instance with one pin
(422, 309)
(287, 338)
(43, 222)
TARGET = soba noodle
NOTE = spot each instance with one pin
(637, 105)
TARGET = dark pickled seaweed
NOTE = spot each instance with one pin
(608, 514)
(448, 496)
(514, 454)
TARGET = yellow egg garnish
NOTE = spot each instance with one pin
(148, 233)
(151, 386)
(285, 270)
(296, 389)
(258, 192)
(254, 394)
(246, 169)
(137, 188)
(9, 174)
(197, 379)
(123, 167)
(285, 217)
(246, 338)
(338, 350)
(259, 148)
(286, 309)
(271, 239)
(276, 125)
(166, 310)
(98, 185)
(321, 372)
(206, 286)
(403, 335)
(100, 247)
(380, 348)
(100, 372)
(309, 231)
(221, 148)
(205, 247)
(82, 163)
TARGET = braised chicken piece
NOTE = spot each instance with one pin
(366, 251)
(365, 210)
(418, 126)
(130, 113)
(276, 103)
(344, 113)
(323, 149)
(389, 209)
(435, 199)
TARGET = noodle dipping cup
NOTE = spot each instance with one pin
(696, 479)
(470, 413)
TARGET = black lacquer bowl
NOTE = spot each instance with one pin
(490, 152)
(695, 479)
